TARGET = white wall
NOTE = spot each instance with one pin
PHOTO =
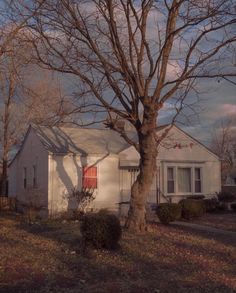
(65, 172)
(190, 154)
(31, 153)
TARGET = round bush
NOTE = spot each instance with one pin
(226, 196)
(102, 230)
(192, 208)
(233, 206)
(211, 204)
(168, 212)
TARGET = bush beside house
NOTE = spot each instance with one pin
(168, 212)
(192, 208)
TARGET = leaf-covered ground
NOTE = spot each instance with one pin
(220, 220)
(50, 258)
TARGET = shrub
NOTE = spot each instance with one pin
(101, 229)
(222, 206)
(192, 208)
(80, 199)
(168, 212)
(196, 196)
(233, 206)
(211, 204)
(226, 196)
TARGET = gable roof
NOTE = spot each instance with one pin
(197, 141)
(83, 141)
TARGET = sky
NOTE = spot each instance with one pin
(217, 99)
(218, 103)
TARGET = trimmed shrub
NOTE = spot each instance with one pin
(196, 196)
(222, 206)
(101, 229)
(192, 208)
(211, 204)
(226, 196)
(168, 212)
(233, 206)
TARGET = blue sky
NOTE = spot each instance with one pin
(218, 102)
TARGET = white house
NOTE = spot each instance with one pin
(53, 160)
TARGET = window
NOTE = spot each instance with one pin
(25, 177)
(170, 180)
(184, 180)
(34, 176)
(197, 180)
(90, 177)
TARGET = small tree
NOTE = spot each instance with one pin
(82, 197)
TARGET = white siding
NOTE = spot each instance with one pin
(180, 150)
(65, 172)
(32, 153)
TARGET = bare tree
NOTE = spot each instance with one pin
(223, 143)
(132, 59)
(14, 16)
(24, 100)
(9, 82)
(44, 100)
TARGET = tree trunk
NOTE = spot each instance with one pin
(136, 220)
(6, 119)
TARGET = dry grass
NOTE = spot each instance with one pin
(49, 258)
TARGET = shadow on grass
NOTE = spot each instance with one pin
(227, 238)
(163, 260)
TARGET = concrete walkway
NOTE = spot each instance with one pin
(203, 228)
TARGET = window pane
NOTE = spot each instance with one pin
(184, 179)
(197, 174)
(90, 182)
(89, 177)
(198, 186)
(171, 187)
(34, 176)
(170, 173)
(25, 178)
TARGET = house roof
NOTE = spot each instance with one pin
(62, 140)
(84, 141)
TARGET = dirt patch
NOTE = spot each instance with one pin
(49, 257)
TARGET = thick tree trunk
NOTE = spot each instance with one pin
(136, 220)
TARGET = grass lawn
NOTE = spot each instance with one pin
(50, 258)
(220, 220)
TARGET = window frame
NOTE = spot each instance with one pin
(175, 166)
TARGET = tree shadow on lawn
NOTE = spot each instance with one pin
(157, 260)
(225, 238)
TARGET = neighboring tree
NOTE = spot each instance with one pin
(132, 59)
(223, 144)
(13, 18)
(11, 24)
(44, 100)
(24, 100)
(9, 116)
